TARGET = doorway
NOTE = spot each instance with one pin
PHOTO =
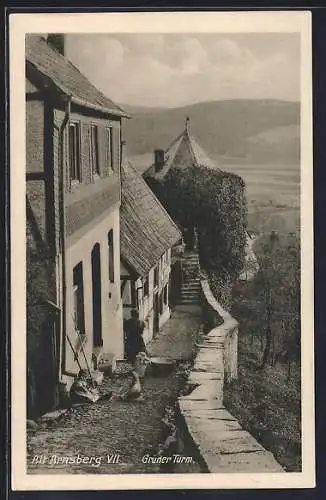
(97, 296)
(156, 322)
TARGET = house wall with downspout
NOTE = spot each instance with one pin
(90, 211)
(64, 222)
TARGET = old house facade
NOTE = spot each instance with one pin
(73, 196)
(147, 237)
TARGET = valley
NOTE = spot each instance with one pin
(258, 140)
(273, 191)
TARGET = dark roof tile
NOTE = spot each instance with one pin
(66, 77)
(146, 229)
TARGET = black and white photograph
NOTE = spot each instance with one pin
(162, 311)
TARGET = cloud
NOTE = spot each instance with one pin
(173, 70)
(226, 52)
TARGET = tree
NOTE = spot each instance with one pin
(279, 260)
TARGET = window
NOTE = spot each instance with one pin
(78, 313)
(74, 152)
(161, 303)
(109, 149)
(156, 275)
(146, 287)
(134, 295)
(111, 256)
(95, 165)
(165, 295)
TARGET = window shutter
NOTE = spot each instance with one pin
(102, 151)
(86, 174)
(116, 144)
(66, 160)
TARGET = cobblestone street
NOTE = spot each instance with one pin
(115, 431)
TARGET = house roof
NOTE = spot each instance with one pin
(66, 78)
(146, 229)
(183, 151)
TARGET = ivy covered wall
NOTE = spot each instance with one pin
(215, 203)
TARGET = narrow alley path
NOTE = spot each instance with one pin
(120, 431)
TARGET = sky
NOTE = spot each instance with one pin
(172, 70)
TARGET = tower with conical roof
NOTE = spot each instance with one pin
(183, 152)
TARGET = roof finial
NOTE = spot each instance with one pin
(187, 124)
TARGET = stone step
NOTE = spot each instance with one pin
(194, 296)
(192, 270)
(189, 301)
(191, 274)
(194, 289)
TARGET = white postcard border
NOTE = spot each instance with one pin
(167, 22)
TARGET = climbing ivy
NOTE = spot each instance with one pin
(214, 201)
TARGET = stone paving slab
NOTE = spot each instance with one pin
(209, 355)
(211, 389)
(219, 413)
(220, 426)
(205, 366)
(254, 463)
(194, 405)
(200, 377)
(209, 439)
(214, 342)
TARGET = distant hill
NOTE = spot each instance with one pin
(135, 110)
(251, 130)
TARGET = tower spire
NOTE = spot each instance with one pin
(187, 124)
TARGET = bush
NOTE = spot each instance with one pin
(214, 202)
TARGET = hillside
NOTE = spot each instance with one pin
(251, 130)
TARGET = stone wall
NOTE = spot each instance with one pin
(222, 326)
(217, 440)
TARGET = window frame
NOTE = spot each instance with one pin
(111, 256)
(165, 295)
(76, 178)
(79, 299)
(94, 151)
(109, 148)
(146, 287)
(156, 276)
(134, 295)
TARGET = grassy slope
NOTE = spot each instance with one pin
(263, 401)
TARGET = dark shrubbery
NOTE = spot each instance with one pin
(214, 202)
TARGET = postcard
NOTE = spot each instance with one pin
(161, 250)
